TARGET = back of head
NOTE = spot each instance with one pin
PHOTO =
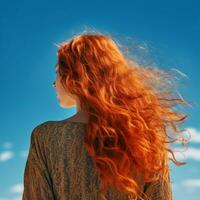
(128, 112)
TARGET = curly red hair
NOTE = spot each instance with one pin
(129, 108)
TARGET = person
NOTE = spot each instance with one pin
(116, 146)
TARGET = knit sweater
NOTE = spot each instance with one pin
(58, 167)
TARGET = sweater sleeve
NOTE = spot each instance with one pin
(159, 190)
(37, 180)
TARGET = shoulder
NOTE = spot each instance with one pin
(43, 129)
(42, 126)
(48, 129)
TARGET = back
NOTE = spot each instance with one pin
(58, 166)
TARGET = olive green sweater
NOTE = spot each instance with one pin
(58, 167)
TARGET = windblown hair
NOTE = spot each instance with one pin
(129, 108)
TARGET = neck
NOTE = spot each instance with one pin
(80, 116)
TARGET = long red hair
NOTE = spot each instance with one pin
(129, 108)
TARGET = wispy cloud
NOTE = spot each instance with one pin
(191, 183)
(17, 198)
(7, 145)
(18, 188)
(12, 198)
(6, 155)
(195, 134)
(189, 153)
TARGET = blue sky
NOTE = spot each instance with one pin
(166, 33)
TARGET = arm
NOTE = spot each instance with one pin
(37, 180)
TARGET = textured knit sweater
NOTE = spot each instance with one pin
(58, 167)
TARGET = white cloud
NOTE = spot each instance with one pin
(6, 155)
(7, 145)
(12, 198)
(16, 198)
(195, 135)
(191, 183)
(18, 188)
(191, 134)
(189, 153)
